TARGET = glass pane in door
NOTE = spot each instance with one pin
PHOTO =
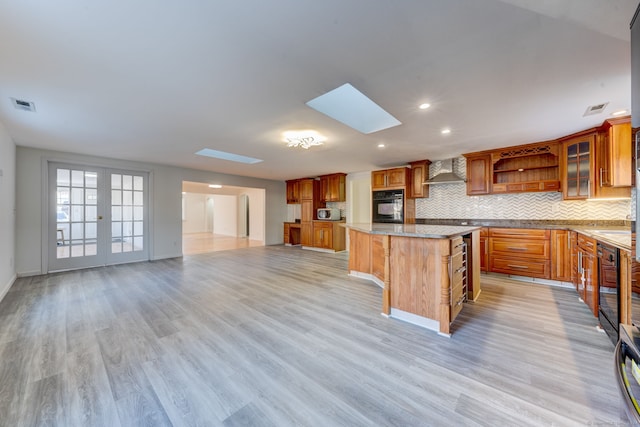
(76, 192)
(127, 213)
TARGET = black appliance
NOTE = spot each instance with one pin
(635, 105)
(609, 290)
(627, 360)
(388, 206)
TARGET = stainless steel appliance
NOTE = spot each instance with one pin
(635, 104)
(609, 290)
(627, 359)
(329, 214)
(388, 206)
(627, 355)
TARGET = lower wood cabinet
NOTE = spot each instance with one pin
(484, 249)
(519, 251)
(561, 255)
(328, 235)
(588, 272)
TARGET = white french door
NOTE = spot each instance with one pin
(97, 216)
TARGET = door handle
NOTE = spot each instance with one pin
(99, 216)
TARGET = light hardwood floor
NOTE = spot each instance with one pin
(279, 336)
(199, 243)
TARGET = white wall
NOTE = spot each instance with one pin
(165, 210)
(359, 197)
(257, 213)
(7, 211)
(225, 217)
(195, 219)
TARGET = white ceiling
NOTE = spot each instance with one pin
(158, 80)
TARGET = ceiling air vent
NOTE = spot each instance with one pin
(595, 109)
(23, 105)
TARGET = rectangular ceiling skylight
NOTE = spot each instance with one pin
(208, 152)
(348, 105)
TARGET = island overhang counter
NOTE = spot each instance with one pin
(426, 271)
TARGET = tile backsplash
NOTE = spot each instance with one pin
(451, 201)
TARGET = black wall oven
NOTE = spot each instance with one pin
(609, 290)
(388, 206)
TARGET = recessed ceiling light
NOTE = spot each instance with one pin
(208, 152)
(351, 107)
(445, 131)
(619, 112)
(380, 145)
(215, 186)
(424, 106)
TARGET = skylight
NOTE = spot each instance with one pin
(208, 152)
(348, 105)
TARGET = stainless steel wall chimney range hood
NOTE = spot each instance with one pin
(446, 175)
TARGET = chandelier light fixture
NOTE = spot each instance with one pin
(303, 139)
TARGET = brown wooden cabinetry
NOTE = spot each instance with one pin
(588, 272)
(526, 168)
(332, 187)
(518, 169)
(309, 204)
(614, 158)
(396, 178)
(561, 255)
(458, 275)
(419, 174)
(598, 163)
(359, 252)
(484, 249)
(329, 235)
(577, 166)
(478, 174)
(293, 191)
(522, 252)
(291, 233)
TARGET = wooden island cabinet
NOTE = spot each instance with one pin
(426, 271)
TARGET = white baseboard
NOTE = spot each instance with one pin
(424, 322)
(367, 276)
(4, 291)
(30, 273)
(166, 256)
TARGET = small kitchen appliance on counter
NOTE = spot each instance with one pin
(329, 214)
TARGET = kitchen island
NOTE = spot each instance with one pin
(426, 271)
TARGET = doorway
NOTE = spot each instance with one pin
(217, 219)
(96, 216)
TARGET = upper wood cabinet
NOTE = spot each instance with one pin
(293, 191)
(396, 178)
(478, 174)
(526, 168)
(419, 174)
(597, 163)
(614, 159)
(332, 187)
(309, 189)
(577, 162)
(518, 169)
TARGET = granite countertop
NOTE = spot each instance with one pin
(616, 233)
(413, 230)
(616, 236)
